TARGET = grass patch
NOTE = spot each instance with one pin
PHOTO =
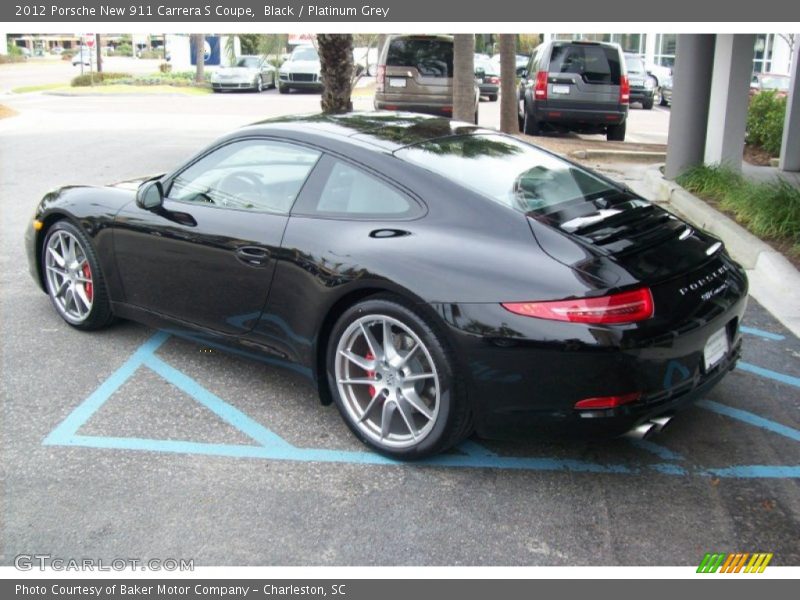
(122, 88)
(27, 89)
(768, 210)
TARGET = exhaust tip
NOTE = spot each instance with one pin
(661, 422)
(641, 431)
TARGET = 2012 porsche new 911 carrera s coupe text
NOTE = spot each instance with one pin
(432, 278)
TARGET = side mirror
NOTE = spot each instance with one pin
(150, 195)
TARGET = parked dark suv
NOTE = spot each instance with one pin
(575, 86)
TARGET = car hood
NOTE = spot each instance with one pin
(237, 71)
(133, 184)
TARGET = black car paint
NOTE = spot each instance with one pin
(457, 260)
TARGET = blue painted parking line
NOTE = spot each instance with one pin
(750, 419)
(767, 373)
(767, 335)
(269, 445)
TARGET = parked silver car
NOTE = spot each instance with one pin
(301, 70)
(249, 73)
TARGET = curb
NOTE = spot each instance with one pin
(629, 154)
(774, 281)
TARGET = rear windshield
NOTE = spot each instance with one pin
(595, 64)
(507, 171)
(432, 58)
(634, 64)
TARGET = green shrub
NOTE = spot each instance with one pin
(124, 49)
(769, 210)
(765, 118)
(68, 54)
(165, 67)
(98, 78)
(151, 54)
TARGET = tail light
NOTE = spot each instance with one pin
(381, 78)
(540, 89)
(607, 401)
(494, 80)
(624, 90)
(625, 307)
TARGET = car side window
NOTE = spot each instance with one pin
(350, 191)
(257, 175)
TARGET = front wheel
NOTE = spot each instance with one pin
(395, 382)
(73, 278)
(282, 89)
(258, 85)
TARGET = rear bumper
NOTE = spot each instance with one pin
(641, 95)
(489, 89)
(529, 384)
(599, 115)
(444, 110)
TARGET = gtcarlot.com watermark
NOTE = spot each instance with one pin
(44, 562)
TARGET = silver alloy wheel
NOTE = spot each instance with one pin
(69, 276)
(387, 381)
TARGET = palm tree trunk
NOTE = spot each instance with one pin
(464, 77)
(199, 49)
(336, 70)
(509, 105)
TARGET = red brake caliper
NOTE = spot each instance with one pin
(371, 375)
(87, 272)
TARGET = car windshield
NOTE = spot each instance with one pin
(634, 64)
(431, 57)
(307, 53)
(249, 62)
(507, 171)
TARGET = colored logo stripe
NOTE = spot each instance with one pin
(734, 562)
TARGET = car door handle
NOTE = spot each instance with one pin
(253, 255)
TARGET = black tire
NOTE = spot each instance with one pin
(664, 101)
(492, 97)
(616, 133)
(475, 119)
(100, 314)
(647, 104)
(453, 418)
(530, 126)
(282, 89)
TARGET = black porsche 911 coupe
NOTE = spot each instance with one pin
(435, 278)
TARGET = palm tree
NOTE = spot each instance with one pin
(199, 49)
(336, 71)
(509, 104)
(464, 77)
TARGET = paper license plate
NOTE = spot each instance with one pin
(397, 82)
(561, 89)
(716, 349)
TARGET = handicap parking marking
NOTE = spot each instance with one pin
(769, 374)
(767, 335)
(269, 445)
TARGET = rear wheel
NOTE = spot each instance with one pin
(657, 98)
(492, 97)
(647, 103)
(530, 126)
(73, 279)
(395, 382)
(616, 133)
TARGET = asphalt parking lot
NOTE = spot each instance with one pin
(132, 442)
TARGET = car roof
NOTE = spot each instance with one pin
(378, 130)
